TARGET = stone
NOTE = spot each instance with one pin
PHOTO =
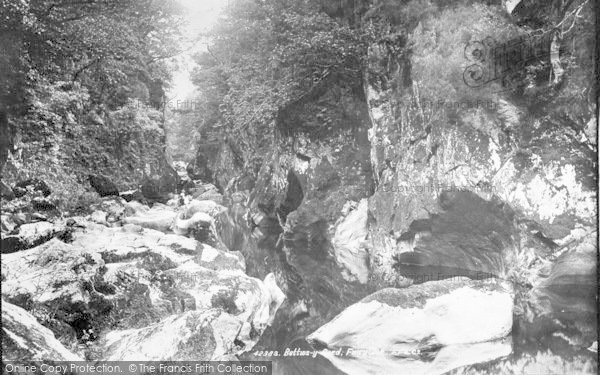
(132, 195)
(103, 185)
(349, 244)
(31, 235)
(25, 340)
(160, 217)
(99, 217)
(433, 314)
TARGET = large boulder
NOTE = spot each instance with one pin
(413, 323)
(103, 185)
(33, 234)
(25, 340)
(160, 217)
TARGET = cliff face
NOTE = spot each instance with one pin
(472, 136)
(508, 142)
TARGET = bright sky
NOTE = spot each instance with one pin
(201, 16)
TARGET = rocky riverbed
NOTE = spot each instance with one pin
(130, 282)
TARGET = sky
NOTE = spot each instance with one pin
(201, 16)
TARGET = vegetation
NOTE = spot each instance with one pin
(83, 87)
(264, 57)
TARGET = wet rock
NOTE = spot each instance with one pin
(6, 191)
(349, 243)
(33, 184)
(433, 314)
(103, 185)
(24, 339)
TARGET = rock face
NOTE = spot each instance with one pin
(103, 186)
(24, 339)
(198, 169)
(157, 188)
(111, 286)
(489, 140)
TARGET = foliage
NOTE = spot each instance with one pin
(265, 56)
(84, 87)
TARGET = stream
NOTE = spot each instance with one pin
(316, 292)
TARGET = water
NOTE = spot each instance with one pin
(551, 331)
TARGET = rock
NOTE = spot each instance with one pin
(99, 217)
(115, 284)
(207, 206)
(33, 184)
(214, 196)
(103, 185)
(132, 195)
(185, 185)
(574, 268)
(24, 339)
(349, 244)
(158, 188)
(206, 335)
(198, 168)
(115, 209)
(200, 226)
(543, 173)
(160, 217)
(510, 5)
(31, 235)
(433, 314)
(8, 223)
(6, 191)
